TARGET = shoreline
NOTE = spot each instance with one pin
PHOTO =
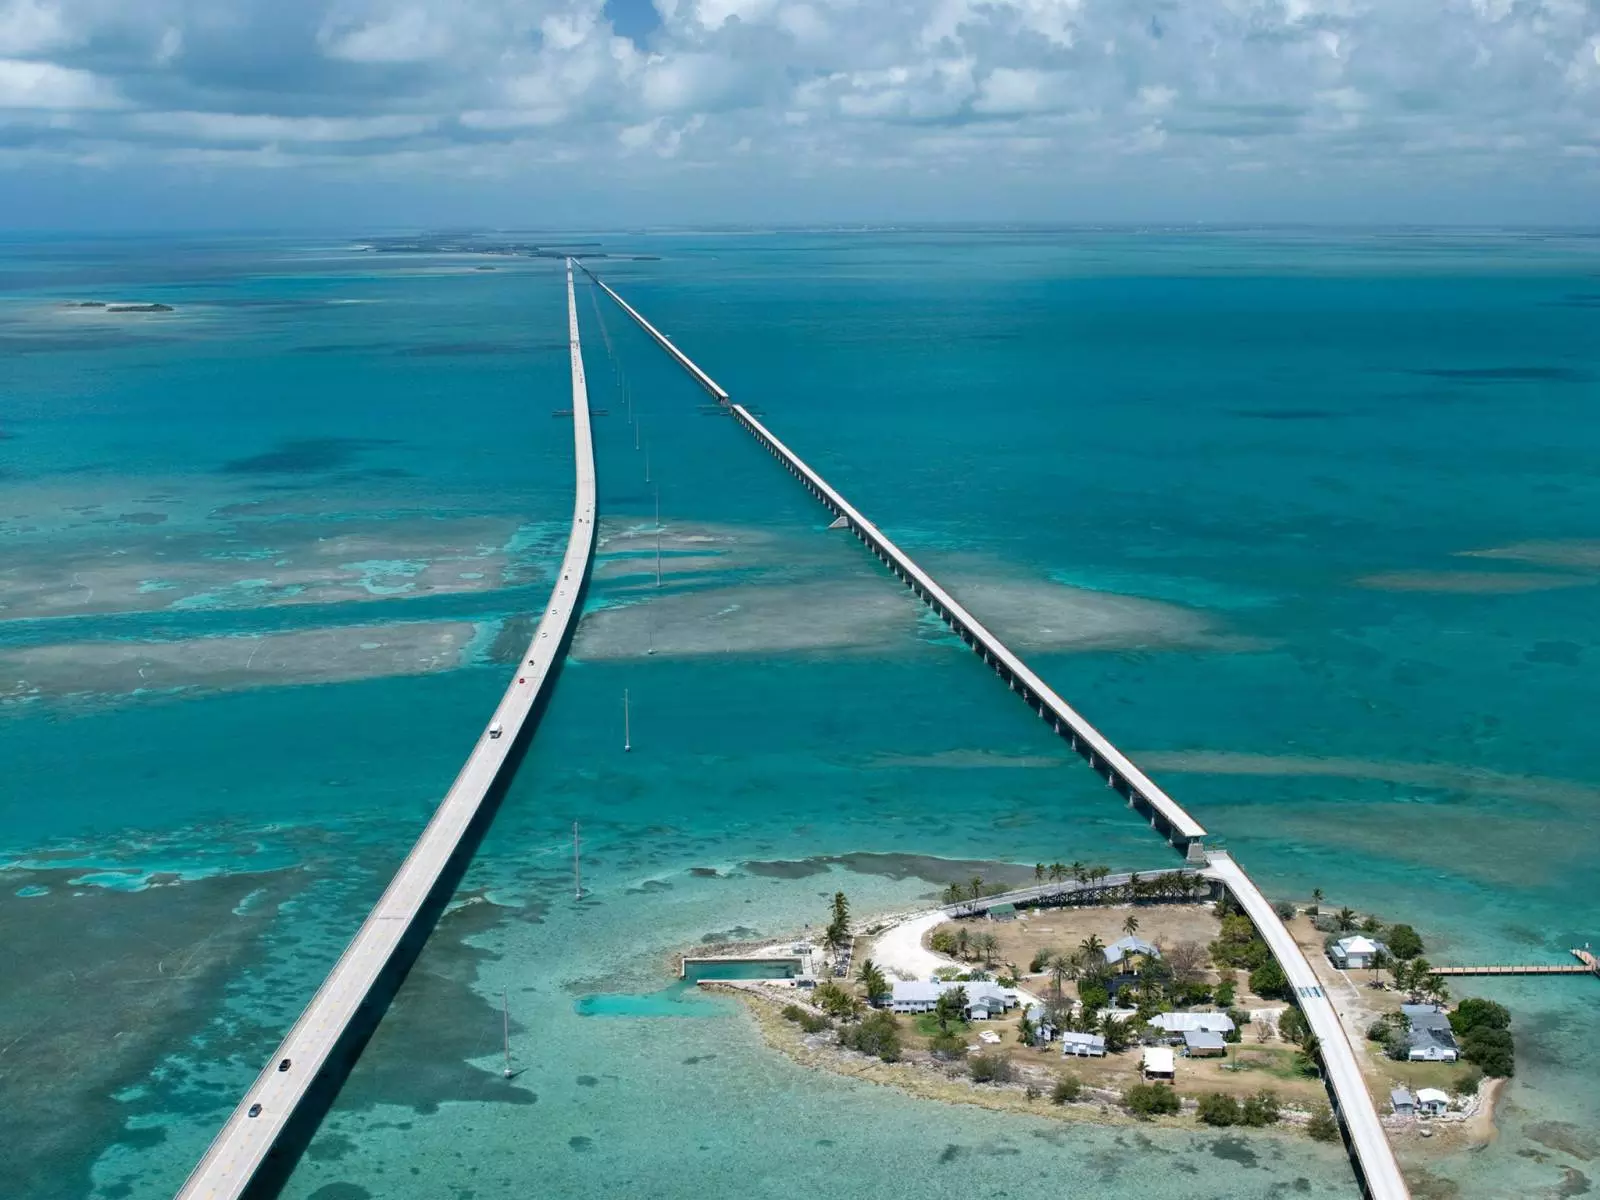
(919, 1075)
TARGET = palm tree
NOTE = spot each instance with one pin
(1378, 961)
(1131, 925)
(952, 1002)
(1061, 969)
(1091, 946)
(1316, 896)
(1346, 919)
(976, 887)
(1038, 871)
(954, 894)
(1058, 872)
(873, 981)
(988, 946)
(1079, 872)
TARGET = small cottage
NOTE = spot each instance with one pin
(1355, 953)
(1403, 1102)
(1082, 1045)
(1159, 1065)
(1429, 1036)
(1130, 954)
(1044, 1029)
(1431, 1102)
(1199, 1043)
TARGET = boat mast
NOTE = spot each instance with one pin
(577, 865)
(505, 1009)
(627, 728)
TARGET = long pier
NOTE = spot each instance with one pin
(259, 1143)
(1587, 964)
(1373, 1158)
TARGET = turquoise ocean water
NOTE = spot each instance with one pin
(1307, 522)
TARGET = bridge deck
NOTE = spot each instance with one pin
(1067, 720)
(1369, 1146)
(1370, 1150)
(239, 1150)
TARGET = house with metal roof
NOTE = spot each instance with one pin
(1431, 1102)
(1201, 1043)
(1082, 1045)
(1355, 952)
(985, 999)
(1185, 1022)
(1429, 1036)
(1403, 1102)
(914, 996)
(1159, 1065)
(1130, 952)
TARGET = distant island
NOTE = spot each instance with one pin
(121, 308)
(459, 244)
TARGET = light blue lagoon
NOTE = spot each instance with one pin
(1307, 523)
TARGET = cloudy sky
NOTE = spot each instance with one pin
(132, 113)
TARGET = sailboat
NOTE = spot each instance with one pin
(505, 1009)
(627, 734)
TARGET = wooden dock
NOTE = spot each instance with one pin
(1587, 964)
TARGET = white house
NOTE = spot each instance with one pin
(1429, 1035)
(1202, 1043)
(914, 996)
(1130, 948)
(1044, 1029)
(984, 998)
(1159, 1064)
(1354, 952)
(1082, 1045)
(1195, 1022)
(1431, 1102)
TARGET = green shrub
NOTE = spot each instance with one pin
(834, 1000)
(1261, 1109)
(1322, 1126)
(1284, 909)
(1066, 1090)
(1469, 1083)
(878, 1034)
(1039, 961)
(1473, 1013)
(1094, 996)
(1147, 1100)
(809, 1021)
(1292, 1026)
(1240, 1019)
(1218, 1109)
(1268, 980)
(943, 941)
(1403, 942)
(1225, 991)
(947, 1045)
(990, 1068)
(1491, 1051)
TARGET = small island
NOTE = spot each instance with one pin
(1126, 999)
(104, 306)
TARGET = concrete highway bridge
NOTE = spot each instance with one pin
(258, 1145)
(1370, 1153)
